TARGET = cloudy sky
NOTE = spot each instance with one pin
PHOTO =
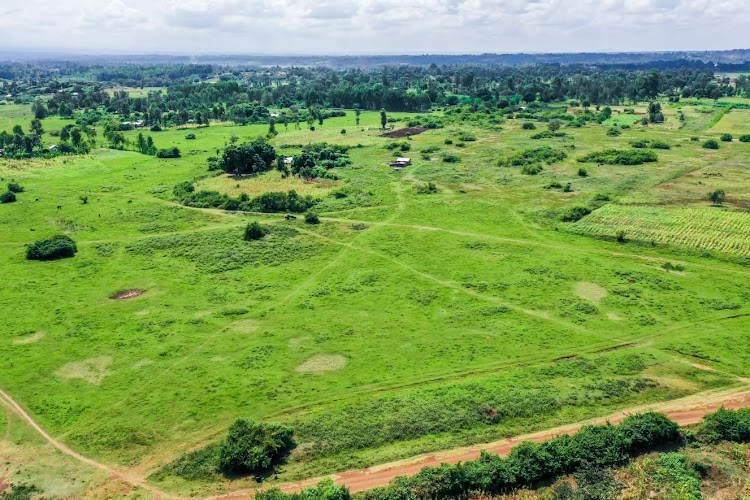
(372, 26)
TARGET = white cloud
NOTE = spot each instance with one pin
(374, 26)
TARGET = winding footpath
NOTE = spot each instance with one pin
(684, 411)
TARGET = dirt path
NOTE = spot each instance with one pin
(684, 411)
(114, 474)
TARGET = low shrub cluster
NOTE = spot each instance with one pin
(168, 153)
(267, 202)
(541, 155)
(255, 231)
(653, 144)
(54, 247)
(620, 157)
(574, 214)
(548, 134)
(726, 425)
(251, 446)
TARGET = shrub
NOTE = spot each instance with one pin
(725, 425)
(8, 197)
(54, 247)
(429, 188)
(660, 145)
(467, 137)
(312, 218)
(582, 172)
(343, 131)
(255, 231)
(574, 214)
(251, 446)
(711, 144)
(717, 197)
(726, 137)
(620, 236)
(84, 199)
(190, 136)
(451, 159)
(548, 134)
(14, 187)
(745, 138)
(448, 141)
(532, 169)
(168, 153)
(620, 157)
(544, 154)
(156, 128)
(613, 132)
(528, 126)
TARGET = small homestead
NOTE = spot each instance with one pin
(400, 163)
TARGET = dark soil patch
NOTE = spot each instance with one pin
(403, 132)
(128, 294)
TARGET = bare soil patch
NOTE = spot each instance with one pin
(590, 291)
(322, 363)
(142, 363)
(92, 370)
(128, 294)
(404, 132)
(34, 337)
(703, 367)
(613, 317)
(245, 326)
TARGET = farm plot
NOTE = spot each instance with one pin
(706, 228)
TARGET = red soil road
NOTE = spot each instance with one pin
(684, 411)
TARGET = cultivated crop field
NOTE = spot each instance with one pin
(705, 229)
(444, 304)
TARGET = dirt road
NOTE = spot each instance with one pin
(684, 411)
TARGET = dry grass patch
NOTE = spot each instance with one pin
(614, 317)
(322, 363)
(142, 363)
(590, 291)
(244, 326)
(266, 183)
(34, 337)
(92, 370)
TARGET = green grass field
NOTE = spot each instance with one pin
(403, 323)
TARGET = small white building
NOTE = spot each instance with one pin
(288, 160)
(400, 163)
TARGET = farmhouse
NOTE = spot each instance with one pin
(400, 163)
(288, 160)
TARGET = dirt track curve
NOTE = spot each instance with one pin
(684, 411)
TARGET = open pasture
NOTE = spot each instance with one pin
(407, 321)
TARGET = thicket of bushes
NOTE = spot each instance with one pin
(620, 157)
(541, 155)
(593, 448)
(54, 247)
(254, 447)
(186, 194)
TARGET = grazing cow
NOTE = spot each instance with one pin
(59, 207)
(100, 216)
(289, 217)
(32, 229)
(37, 199)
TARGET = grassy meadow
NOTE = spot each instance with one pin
(405, 322)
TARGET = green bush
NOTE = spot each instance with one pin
(711, 144)
(429, 188)
(8, 197)
(544, 154)
(54, 247)
(620, 157)
(451, 159)
(726, 137)
(532, 169)
(255, 231)
(168, 153)
(467, 137)
(582, 172)
(312, 218)
(745, 138)
(448, 141)
(725, 425)
(14, 187)
(251, 446)
(324, 490)
(190, 136)
(613, 132)
(574, 214)
(528, 126)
